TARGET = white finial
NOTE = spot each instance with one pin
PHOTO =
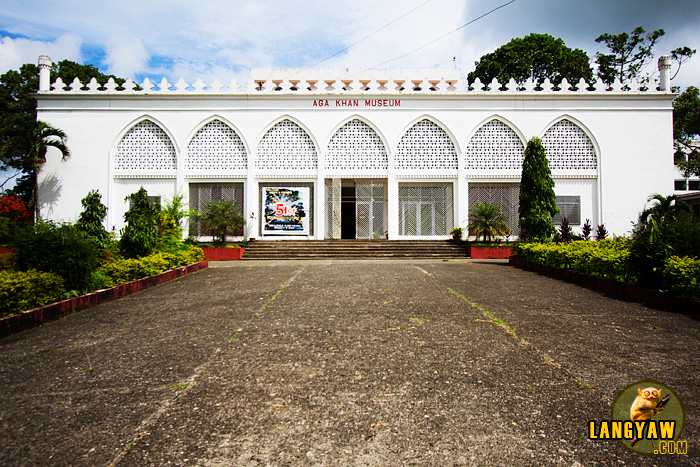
(44, 73)
(665, 73)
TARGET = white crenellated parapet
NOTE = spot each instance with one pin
(341, 81)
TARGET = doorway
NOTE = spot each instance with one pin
(348, 216)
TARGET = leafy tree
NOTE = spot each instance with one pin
(628, 54)
(536, 56)
(18, 109)
(681, 55)
(140, 235)
(487, 220)
(686, 131)
(221, 218)
(537, 199)
(91, 220)
(26, 147)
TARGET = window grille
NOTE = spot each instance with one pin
(311, 205)
(425, 209)
(426, 146)
(286, 146)
(356, 147)
(370, 211)
(569, 207)
(333, 208)
(216, 147)
(201, 194)
(495, 146)
(680, 185)
(568, 147)
(506, 195)
(145, 147)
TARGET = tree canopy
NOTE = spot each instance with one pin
(686, 131)
(537, 199)
(628, 54)
(536, 56)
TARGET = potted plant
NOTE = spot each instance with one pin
(456, 233)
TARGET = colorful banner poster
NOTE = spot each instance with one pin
(285, 210)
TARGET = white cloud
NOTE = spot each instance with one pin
(16, 52)
(125, 56)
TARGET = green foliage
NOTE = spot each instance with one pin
(14, 215)
(628, 54)
(601, 233)
(536, 56)
(537, 198)
(91, 220)
(58, 248)
(586, 230)
(457, 233)
(178, 210)
(683, 276)
(125, 270)
(565, 233)
(686, 131)
(140, 235)
(607, 258)
(221, 218)
(21, 291)
(487, 220)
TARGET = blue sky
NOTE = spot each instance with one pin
(222, 39)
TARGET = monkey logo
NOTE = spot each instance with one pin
(654, 416)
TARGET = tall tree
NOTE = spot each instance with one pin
(537, 199)
(686, 131)
(628, 54)
(25, 149)
(536, 56)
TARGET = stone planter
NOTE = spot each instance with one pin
(489, 252)
(223, 254)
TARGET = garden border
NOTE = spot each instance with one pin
(57, 310)
(613, 287)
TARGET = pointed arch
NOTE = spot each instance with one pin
(495, 145)
(216, 146)
(145, 145)
(287, 146)
(426, 146)
(356, 145)
(569, 146)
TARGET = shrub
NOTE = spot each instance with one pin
(140, 236)
(222, 217)
(13, 216)
(537, 198)
(58, 248)
(683, 276)
(125, 270)
(91, 220)
(21, 291)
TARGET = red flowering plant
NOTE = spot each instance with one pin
(13, 214)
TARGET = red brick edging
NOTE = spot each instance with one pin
(489, 252)
(654, 297)
(57, 310)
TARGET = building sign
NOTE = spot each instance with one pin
(365, 103)
(285, 211)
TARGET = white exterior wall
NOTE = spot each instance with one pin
(630, 131)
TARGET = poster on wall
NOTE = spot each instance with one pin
(285, 210)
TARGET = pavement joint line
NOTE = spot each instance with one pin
(492, 318)
(282, 288)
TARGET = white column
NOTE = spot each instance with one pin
(250, 200)
(665, 73)
(44, 73)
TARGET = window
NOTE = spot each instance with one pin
(694, 185)
(569, 207)
(155, 201)
(680, 185)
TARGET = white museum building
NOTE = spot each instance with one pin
(349, 153)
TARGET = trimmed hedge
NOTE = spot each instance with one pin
(125, 270)
(683, 276)
(605, 258)
(24, 290)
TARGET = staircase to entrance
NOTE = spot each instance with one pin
(354, 249)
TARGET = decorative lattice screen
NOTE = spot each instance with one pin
(356, 147)
(506, 195)
(145, 147)
(425, 209)
(568, 147)
(370, 219)
(311, 205)
(495, 146)
(286, 146)
(333, 208)
(426, 146)
(216, 147)
(201, 194)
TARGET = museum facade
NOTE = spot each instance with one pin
(338, 153)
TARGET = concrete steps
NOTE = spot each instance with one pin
(354, 249)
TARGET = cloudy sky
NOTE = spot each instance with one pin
(224, 38)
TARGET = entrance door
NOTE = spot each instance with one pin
(348, 225)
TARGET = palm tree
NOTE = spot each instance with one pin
(26, 147)
(487, 219)
(666, 208)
